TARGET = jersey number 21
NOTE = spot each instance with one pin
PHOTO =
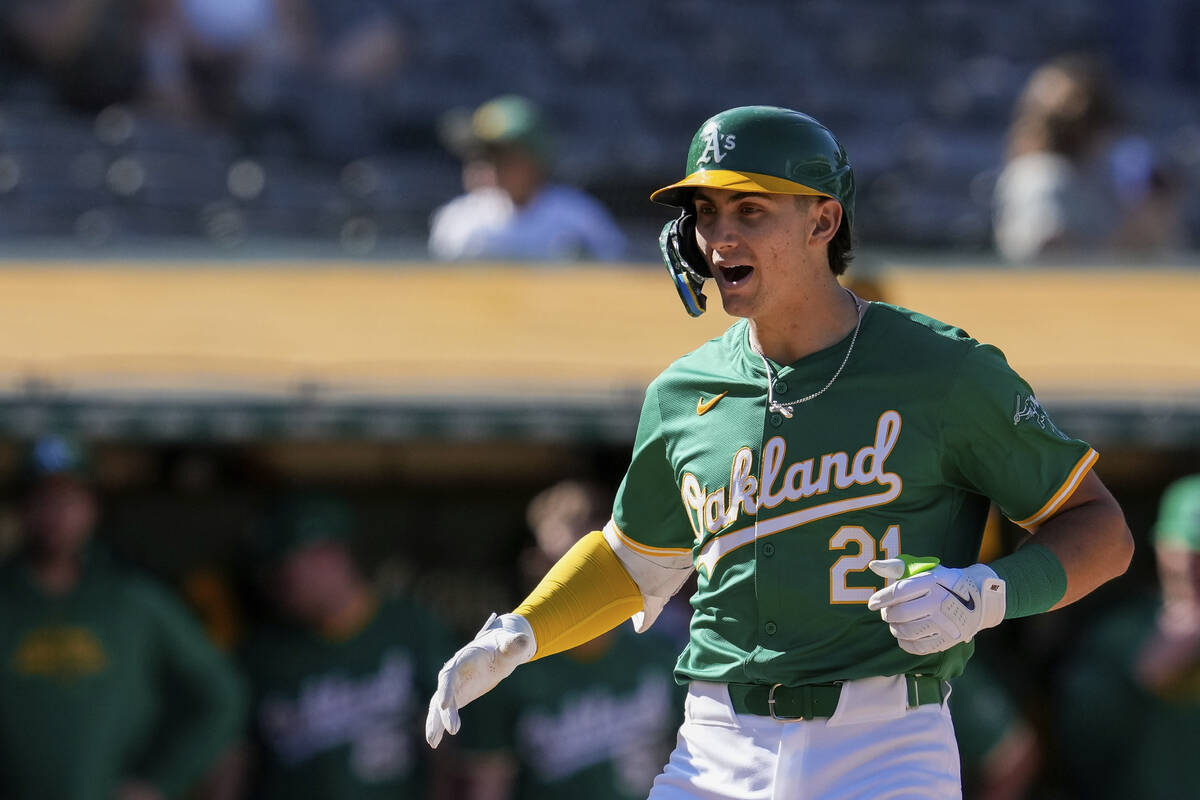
(850, 536)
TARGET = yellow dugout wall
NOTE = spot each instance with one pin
(1119, 336)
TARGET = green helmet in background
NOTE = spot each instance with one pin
(751, 149)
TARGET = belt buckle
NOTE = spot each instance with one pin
(771, 706)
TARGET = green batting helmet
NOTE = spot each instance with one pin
(751, 149)
(300, 521)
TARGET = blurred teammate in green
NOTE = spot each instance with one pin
(1131, 704)
(592, 723)
(108, 687)
(339, 683)
(998, 747)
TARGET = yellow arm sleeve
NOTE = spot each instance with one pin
(585, 594)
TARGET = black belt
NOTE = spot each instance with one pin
(816, 700)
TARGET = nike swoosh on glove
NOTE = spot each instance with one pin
(937, 609)
(502, 644)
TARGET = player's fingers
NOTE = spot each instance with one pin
(918, 629)
(936, 630)
(451, 719)
(444, 698)
(890, 568)
(910, 611)
(901, 592)
(924, 646)
(433, 723)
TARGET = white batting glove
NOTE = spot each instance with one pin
(502, 645)
(937, 609)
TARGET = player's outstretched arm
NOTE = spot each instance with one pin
(930, 608)
(585, 594)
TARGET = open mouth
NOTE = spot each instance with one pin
(736, 274)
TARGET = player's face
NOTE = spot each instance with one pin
(312, 581)
(1179, 572)
(517, 173)
(60, 517)
(758, 248)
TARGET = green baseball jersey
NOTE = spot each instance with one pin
(342, 718)
(584, 727)
(780, 516)
(111, 681)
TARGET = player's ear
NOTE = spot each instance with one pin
(826, 218)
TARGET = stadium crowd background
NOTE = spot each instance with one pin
(179, 135)
(238, 126)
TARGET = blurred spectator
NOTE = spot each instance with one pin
(512, 210)
(327, 82)
(1070, 185)
(179, 58)
(199, 52)
(1130, 713)
(597, 721)
(339, 684)
(997, 745)
(109, 687)
(92, 51)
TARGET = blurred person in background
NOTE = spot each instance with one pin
(338, 684)
(998, 747)
(326, 82)
(597, 721)
(91, 52)
(108, 686)
(180, 59)
(512, 210)
(1072, 184)
(1130, 705)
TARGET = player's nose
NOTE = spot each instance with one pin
(722, 233)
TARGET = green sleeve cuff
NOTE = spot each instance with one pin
(1034, 580)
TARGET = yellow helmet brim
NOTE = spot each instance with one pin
(675, 194)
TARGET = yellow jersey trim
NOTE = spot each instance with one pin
(1064, 492)
(648, 550)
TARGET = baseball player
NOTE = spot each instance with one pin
(825, 467)
(1139, 663)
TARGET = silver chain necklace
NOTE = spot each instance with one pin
(786, 408)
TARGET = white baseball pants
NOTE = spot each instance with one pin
(872, 748)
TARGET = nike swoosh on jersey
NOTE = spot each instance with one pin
(704, 406)
(968, 602)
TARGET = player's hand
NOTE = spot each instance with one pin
(502, 644)
(938, 607)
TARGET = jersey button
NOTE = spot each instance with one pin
(776, 420)
(780, 387)
(768, 549)
(770, 628)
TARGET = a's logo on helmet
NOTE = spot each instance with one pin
(716, 147)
